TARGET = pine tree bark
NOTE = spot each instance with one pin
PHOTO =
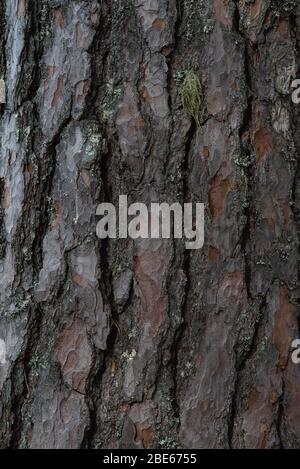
(143, 344)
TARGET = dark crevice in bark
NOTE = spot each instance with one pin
(92, 395)
(245, 239)
(101, 360)
(2, 227)
(280, 413)
(176, 340)
(47, 168)
(32, 53)
(3, 33)
(2, 108)
(2, 37)
(186, 269)
(99, 53)
(170, 62)
(247, 153)
(180, 334)
(242, 366)
(21, 372)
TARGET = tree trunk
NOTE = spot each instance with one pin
(141, 343)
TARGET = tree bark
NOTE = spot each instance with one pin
(141, 343)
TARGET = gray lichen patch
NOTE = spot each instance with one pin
(113, 95)
(197, 19)
(283, 6)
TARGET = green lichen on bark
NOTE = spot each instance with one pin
(191, 95)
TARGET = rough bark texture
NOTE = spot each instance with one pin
(143, 344)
